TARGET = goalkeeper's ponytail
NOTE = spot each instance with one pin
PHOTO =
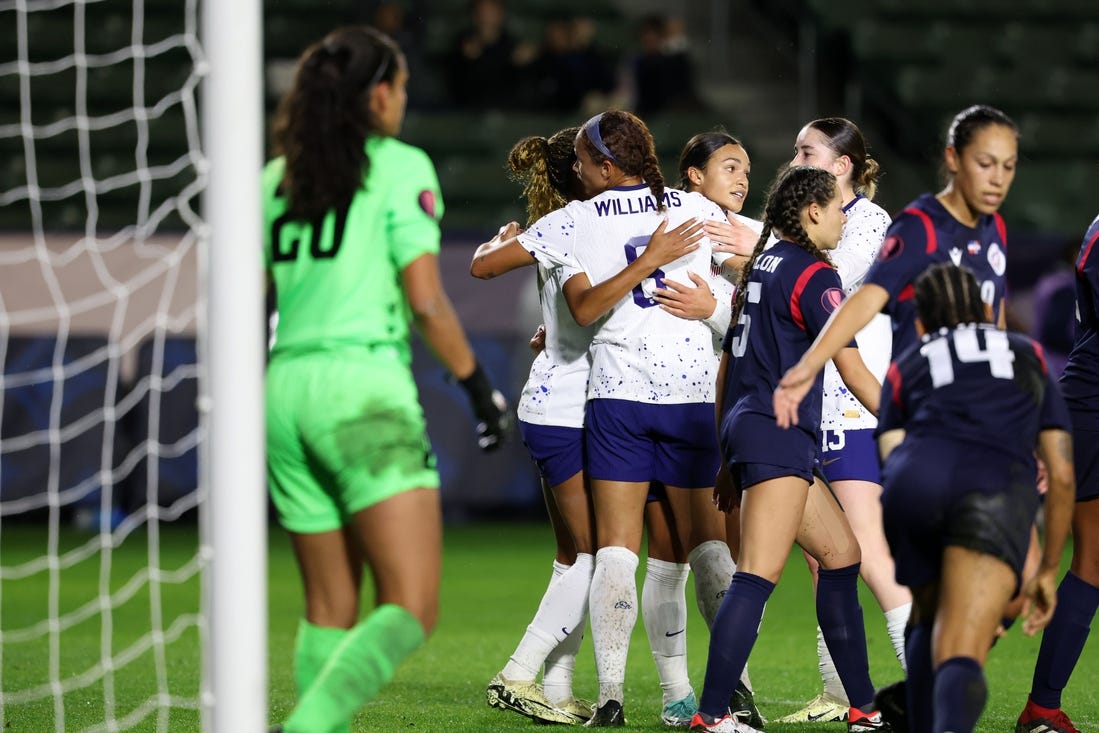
(323, 120)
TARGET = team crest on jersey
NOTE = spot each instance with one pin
(974, 247)
(891, 247)
(427, 202)
(831, 298)
(996, 259)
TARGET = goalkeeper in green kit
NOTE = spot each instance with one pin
(352, 237)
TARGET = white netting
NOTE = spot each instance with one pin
(100, 622)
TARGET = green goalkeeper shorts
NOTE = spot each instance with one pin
(345, 430)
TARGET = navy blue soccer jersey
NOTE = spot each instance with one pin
(974, 385)
(790, 296)
(1080, 379)
(925, 234)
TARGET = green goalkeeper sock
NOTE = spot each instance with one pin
(314, 646)
(357, 669)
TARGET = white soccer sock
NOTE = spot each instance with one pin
(664, 612)
(560, 662)
(563, 608)
(895, 621)
(828, 674)
(713, 569)
(613, 607)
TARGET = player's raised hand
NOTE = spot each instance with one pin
(694, 303)
(511, 230)
(489, 407)
(791, 390)
(668, 245)
(1041, 600)
(538, 340)
(726, 497)
(731, 236)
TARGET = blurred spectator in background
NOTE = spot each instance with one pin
(1054, 324)
(663, 73)
(569, 73)
(484, 63)
(403, 21)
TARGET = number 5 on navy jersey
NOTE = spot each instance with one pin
(739, 344)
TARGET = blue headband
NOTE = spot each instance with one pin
(591, 129)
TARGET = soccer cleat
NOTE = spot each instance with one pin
(742, 706)
(525, 698)
(724, 724)
(824, 708)
(1037, 719)
(610, 715)
(892, 701)
(678, 714)
(860, 722)
(579, 710)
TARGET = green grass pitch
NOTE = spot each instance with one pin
(494, 576)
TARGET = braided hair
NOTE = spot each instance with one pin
(545, 168)
(322, 123)
(631, 148)
(948, 296)
(795, 189)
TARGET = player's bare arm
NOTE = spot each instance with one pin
(587, 303)
(694, 302)
(503, 253)
(1055, 450)
(860, 380)
(849, 318)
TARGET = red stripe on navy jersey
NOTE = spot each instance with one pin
(928, 227)
(894, 377)
(799, 287)
(1041, 353)
(908, 293)
(1086, 253)
(1001, 227)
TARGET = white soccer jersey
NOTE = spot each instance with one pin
(556, 389)
(639, 352)
(723, 285)
(862, 237)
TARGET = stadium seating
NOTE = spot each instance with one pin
(920, 63)
(28, 406)
(165, 422)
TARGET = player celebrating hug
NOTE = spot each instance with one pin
(650, 393)
(786, 295)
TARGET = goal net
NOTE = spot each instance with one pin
(109, 550)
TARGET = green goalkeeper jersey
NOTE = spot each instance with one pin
(338, 279)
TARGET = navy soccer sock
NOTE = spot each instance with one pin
(1063, 640)
(921, 681)
(840, 617)
(731, 639)
(960, 695)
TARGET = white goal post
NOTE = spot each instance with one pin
(236, 647)
(132, 347)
